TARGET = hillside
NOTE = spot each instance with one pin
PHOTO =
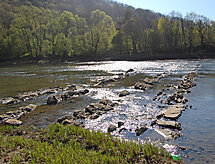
(98, 29)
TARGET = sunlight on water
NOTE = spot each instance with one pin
(135, 110)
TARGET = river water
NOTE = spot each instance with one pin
(135, 110)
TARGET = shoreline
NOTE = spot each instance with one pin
(94, 59)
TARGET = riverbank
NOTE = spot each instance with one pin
(112, 57)
(72, 144)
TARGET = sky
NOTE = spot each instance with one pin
(202, 7)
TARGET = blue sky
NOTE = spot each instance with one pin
(203, 7)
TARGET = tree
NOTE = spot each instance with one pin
(190, 27)
(134, 30)
(102, 30)
(202, 24)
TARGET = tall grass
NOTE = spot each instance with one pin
(72, 144)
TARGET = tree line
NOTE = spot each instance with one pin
(64, 29)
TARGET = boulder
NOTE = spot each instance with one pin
(169, 124)
(52, 100)
(111, 128)
(13, 122)
(124, 93)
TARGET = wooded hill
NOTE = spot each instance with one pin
(99, 29)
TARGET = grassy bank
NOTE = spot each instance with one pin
(71, 144)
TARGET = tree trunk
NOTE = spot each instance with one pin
(134, 46)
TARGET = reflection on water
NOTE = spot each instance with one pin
(135, 110)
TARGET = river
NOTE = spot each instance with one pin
(136, 109)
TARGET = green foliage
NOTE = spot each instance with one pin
(71, 144)
(66, 29)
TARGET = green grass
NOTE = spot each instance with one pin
(70, 144)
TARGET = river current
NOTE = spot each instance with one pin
(136, 109)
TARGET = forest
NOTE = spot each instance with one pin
(99, 29)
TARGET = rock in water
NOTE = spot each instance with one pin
(130, 70)
(52, 100)
(120, 124)
(141, 130)
(124, 93)
(28, 108)
(13, 122)
(111, 128)
(169, 124)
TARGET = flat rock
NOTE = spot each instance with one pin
(3, 116)
(15, 113)
(72, 122)
(142, 86)
(150, 81)
(61, 119)
(168, 134)
(8, 100)
(169, 124)
(28, 108)
(13, 122)
(108, 102)
(173, 112)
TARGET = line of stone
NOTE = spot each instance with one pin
(176, 106)
(33, 94)
(11, 117)
(148, 83)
